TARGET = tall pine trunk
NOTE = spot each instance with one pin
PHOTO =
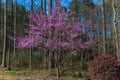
(115, 28)
(44, 52)
(103, 27)
(30, 61)
(59, 50)
(44, 6)
(50, 13)
(14, 24)
(8, 58)
(4, 37)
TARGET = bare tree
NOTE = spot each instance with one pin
(103, 27)
(15, 25)
(50, 7)
(115, 11)
(44, 6)
(31, 9)
(4, 37)
(44, 52)
(50, 13)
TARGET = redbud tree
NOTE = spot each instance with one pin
(54, 33)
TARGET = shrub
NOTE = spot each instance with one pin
(53, 72)
(72, 74)
(62, 71)
(104, 67)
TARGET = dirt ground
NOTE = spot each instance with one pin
(32, 75)
(35, 77)
(9, 77)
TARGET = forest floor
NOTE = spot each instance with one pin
(31, 75)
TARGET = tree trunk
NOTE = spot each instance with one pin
(15, 25)
(115, 30)
(4, 37)
(41, 6)
(44, 6)
(50, 13)
(31, 9)
(14, 47)
(0, 8)
(119, 41)
(44, 52)
(58, 65)
(103, 27)
(50, 7)
(30, 63)
(8, 59)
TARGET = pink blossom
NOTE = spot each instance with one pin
(53, 32)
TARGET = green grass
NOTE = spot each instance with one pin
(14, 72)
(42, 72)
(47, 72)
